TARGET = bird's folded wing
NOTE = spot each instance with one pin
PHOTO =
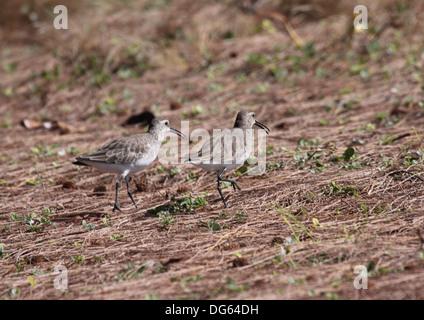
(220, 153)
(123, 150)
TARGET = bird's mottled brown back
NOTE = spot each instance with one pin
(123, 150)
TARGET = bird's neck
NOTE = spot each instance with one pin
(241, 126)
(157, 135)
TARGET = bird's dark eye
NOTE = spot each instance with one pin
(167, 123)
(253, 115)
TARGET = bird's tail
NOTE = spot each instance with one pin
(79, 163)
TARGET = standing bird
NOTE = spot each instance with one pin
(218, 156)
(129, 155)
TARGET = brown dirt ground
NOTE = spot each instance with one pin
(289, 234)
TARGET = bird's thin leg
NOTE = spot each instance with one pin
(219, 186)
(220, 192)
(129, 192)
(116, 206)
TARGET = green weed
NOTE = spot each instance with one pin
(184, 205)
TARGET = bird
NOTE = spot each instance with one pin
(213, 157)
(128, 155)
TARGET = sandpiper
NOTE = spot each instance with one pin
(218, 160)
(129, 155)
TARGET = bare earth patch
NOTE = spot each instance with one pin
(343, 184)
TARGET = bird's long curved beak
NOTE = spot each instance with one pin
(262, 126)
(182, 135)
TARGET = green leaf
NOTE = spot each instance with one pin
(349, 152)
(31, 281)
(371, 265)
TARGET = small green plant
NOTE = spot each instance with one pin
(223, 215)
(195, 111)
(337, 189)
(270, 150)
(315, 223)
(242, 170)
(15, 217)
(269, 26)
(36, 222)
(215, 86)
(319, 166)
(379, 117)
(107, 106)
(345, 91)
(184, 205)
(240, 215)
(131, 272)
(257, 59)
(165, 219)
(192, 176)
(2, 245)
(232, 287)
(183, 281)
(213, 225)
(296, 281)
(301, 159)
(160, 169)
(77, 259)
(85, 225)
(116, 237)
(173, 172)
(45, 149)
(323, 122)
(9, 67)
(348, 154)
(152, 296)
(412, 158)
(350, 160)
(106, 221)
(294, 223)
(6, 125)
(32, 182)
(387, 139)
(369, 127)
(272, 165)
(387, 162)
(280, 74)
(330, 296)
(74, 151)
(313, 142)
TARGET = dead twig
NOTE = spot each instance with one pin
(421, 240)
(401, 136)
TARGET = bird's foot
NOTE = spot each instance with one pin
(116, 207)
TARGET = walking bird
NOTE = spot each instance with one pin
(219, 156)
(129, 155)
